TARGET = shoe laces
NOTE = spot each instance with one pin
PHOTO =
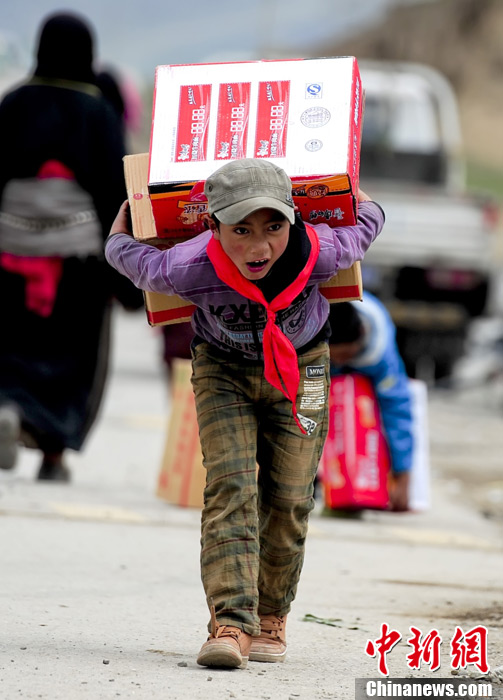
(272, 625)
(222, 630)
(228, 631)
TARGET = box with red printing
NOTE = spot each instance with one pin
(355, 462)
(303, 114)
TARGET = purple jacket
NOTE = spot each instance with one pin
(224, 317)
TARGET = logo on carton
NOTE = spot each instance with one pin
(270, 92)
(314, 91)
(317, 191)
(224, 150)
(314, 145)
(230, 94)
(184, 152)
(320, 215)
(314, 117)
(191, 99)
(230, 149)
(192, 215)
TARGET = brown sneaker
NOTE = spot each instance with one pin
(270, 645)
(226, 647)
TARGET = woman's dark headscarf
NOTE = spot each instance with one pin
(65, 49)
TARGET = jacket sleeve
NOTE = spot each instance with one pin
(341, 247)
(393, 394)
(147, 267)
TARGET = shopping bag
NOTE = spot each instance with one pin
(419, 487)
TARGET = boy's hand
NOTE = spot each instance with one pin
(362, 197)
(399, 492)
(122, 223)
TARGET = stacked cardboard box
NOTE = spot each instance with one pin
(164, 310)
(305, 115)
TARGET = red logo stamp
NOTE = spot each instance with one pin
(317, 191)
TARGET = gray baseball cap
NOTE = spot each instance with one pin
(240, 187)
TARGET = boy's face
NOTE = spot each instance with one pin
(256, 243)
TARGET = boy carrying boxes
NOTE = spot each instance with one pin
(260, 374)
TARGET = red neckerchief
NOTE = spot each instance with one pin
(281, 367)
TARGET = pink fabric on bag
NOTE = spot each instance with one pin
(42, 274)
(42, 278)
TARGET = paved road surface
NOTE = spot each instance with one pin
(101, 597)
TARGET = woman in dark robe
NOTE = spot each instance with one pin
(61, 184)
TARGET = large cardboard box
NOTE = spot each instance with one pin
(164, 310)
(305, 115)
(182, 475)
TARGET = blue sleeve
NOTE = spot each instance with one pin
(391, 385)
(381, 362)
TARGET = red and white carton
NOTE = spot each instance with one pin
(355, 463)
(305, 115)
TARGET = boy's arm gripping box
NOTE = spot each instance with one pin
(161, 309)
(304, 115)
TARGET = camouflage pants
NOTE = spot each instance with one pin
(254, 524)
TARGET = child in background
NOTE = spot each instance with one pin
(363, 340)
(260, 346)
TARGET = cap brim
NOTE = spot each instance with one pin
(239, 211)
